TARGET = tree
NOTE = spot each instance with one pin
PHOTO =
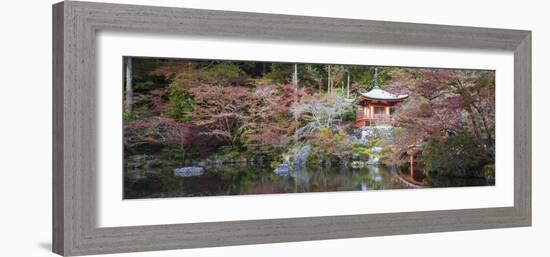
(330, 145)
(272, 122)
(347, 84)
(329, 80)
(225, 112)
(295, 80)
(129, 88)
(477, 90)
(319, 111)
(313, 75)
(457, 155)
(442, 103)
(280, 73)
(363, 76)
(335, 74)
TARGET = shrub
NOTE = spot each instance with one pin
(144, 86)
(181, 104)
(489, 171)
(274, 164)
(459, 155)
(233, 153)
(227, 72)
(349, 115)
(140, 112)
(330, 146)
(362, 151)
(280, 73)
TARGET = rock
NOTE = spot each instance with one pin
(282, 169)
(377, 149)
(189, 171)
(373, 161)
(353, 139)
(139, 157)
(380, 131)
(357, 164)
(301, 154)
(364, 137)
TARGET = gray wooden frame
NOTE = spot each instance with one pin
(74, 129)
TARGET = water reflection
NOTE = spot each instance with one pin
(241, 178)
(253, 179)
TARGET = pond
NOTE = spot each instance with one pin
(159, 181)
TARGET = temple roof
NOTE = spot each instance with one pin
(379, 94)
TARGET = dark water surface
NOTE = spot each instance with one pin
(154, 181)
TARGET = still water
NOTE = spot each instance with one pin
(242, 179)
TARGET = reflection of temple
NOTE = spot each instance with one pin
(373, 107)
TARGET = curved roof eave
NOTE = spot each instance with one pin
(396, 98)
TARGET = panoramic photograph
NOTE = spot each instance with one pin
(199, 127)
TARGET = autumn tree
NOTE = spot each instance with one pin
(319, 111)
(443, 103)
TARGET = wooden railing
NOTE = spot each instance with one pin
(375, 120)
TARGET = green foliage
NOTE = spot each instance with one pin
(489, 171)
(365, 151)
(340, 90)
(233, 153)
(363, 76)
(226, 73)
(139, 112)
(328, 145)
(142, 67)
(274, 164)
(458, 155)
(280, 73)
(362, 151)
(312, 75)
(144, 86)
(181, 104)
(385, 154)
(128, 116)
(226, 69)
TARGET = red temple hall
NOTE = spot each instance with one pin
(374, 107)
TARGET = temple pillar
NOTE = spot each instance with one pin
(371, 115)
(371, 107)
(387, 112)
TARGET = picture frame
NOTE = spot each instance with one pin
(75, 25)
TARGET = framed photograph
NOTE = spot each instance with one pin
(183, 128)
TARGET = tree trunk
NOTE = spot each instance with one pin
(474, 121)
(483, 121)
(348, 86)
(328, 80)
(129, 88)
(295, 81)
